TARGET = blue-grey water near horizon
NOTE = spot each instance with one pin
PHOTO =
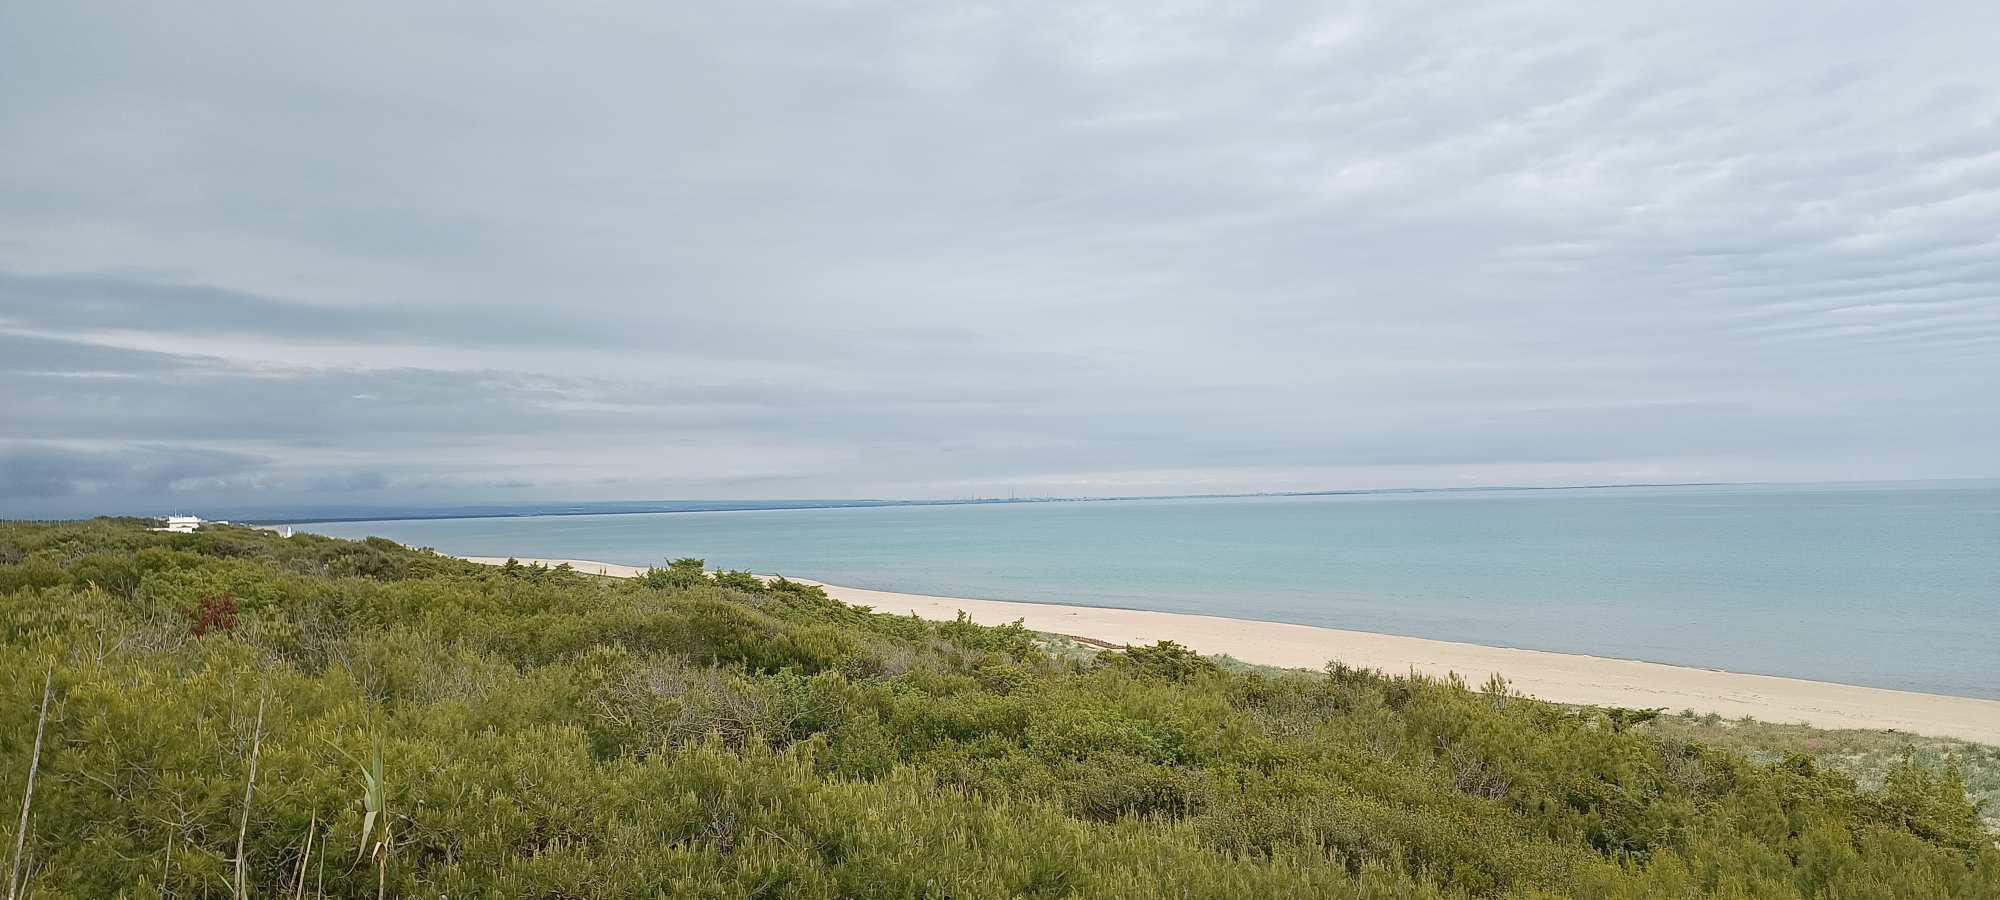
(1888, 586)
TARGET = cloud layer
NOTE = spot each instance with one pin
(366, 253)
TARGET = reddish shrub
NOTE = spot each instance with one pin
(214, 614)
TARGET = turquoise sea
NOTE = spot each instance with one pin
(1894, 586)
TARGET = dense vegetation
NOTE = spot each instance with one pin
(421, 727)
(1871, 756)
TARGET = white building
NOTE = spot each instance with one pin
(181, 524)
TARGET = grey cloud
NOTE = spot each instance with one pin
(345, 482)
(156, 303)
(38, 472)
(25, 355)
(705, 249)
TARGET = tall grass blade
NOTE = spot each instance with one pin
(305, 856)
(249, 785)
(28, 795)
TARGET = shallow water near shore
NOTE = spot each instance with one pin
(1893, 586)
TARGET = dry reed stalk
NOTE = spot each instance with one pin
(28, 796)
(243, 825)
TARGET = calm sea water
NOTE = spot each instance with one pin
(1890, 586)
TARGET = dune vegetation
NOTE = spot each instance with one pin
(231, 713)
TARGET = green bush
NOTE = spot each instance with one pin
(1165, 659)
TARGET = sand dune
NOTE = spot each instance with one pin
(1559, 677)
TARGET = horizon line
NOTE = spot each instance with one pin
(803, 503)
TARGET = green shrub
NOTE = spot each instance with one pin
(1165, 659)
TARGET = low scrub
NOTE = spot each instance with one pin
(419, 726)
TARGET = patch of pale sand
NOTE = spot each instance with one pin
(1558, 677)
(585, 566)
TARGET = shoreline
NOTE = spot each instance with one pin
(1547, 675)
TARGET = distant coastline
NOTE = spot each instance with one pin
(1556, 677)
(655, 507)
(1872, 584)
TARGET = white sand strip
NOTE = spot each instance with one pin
(1559, 677)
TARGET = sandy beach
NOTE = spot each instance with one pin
(1558, 677)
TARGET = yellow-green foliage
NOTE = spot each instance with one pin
(1871, 756)
(547, 734)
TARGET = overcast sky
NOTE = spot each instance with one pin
(266, 253)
